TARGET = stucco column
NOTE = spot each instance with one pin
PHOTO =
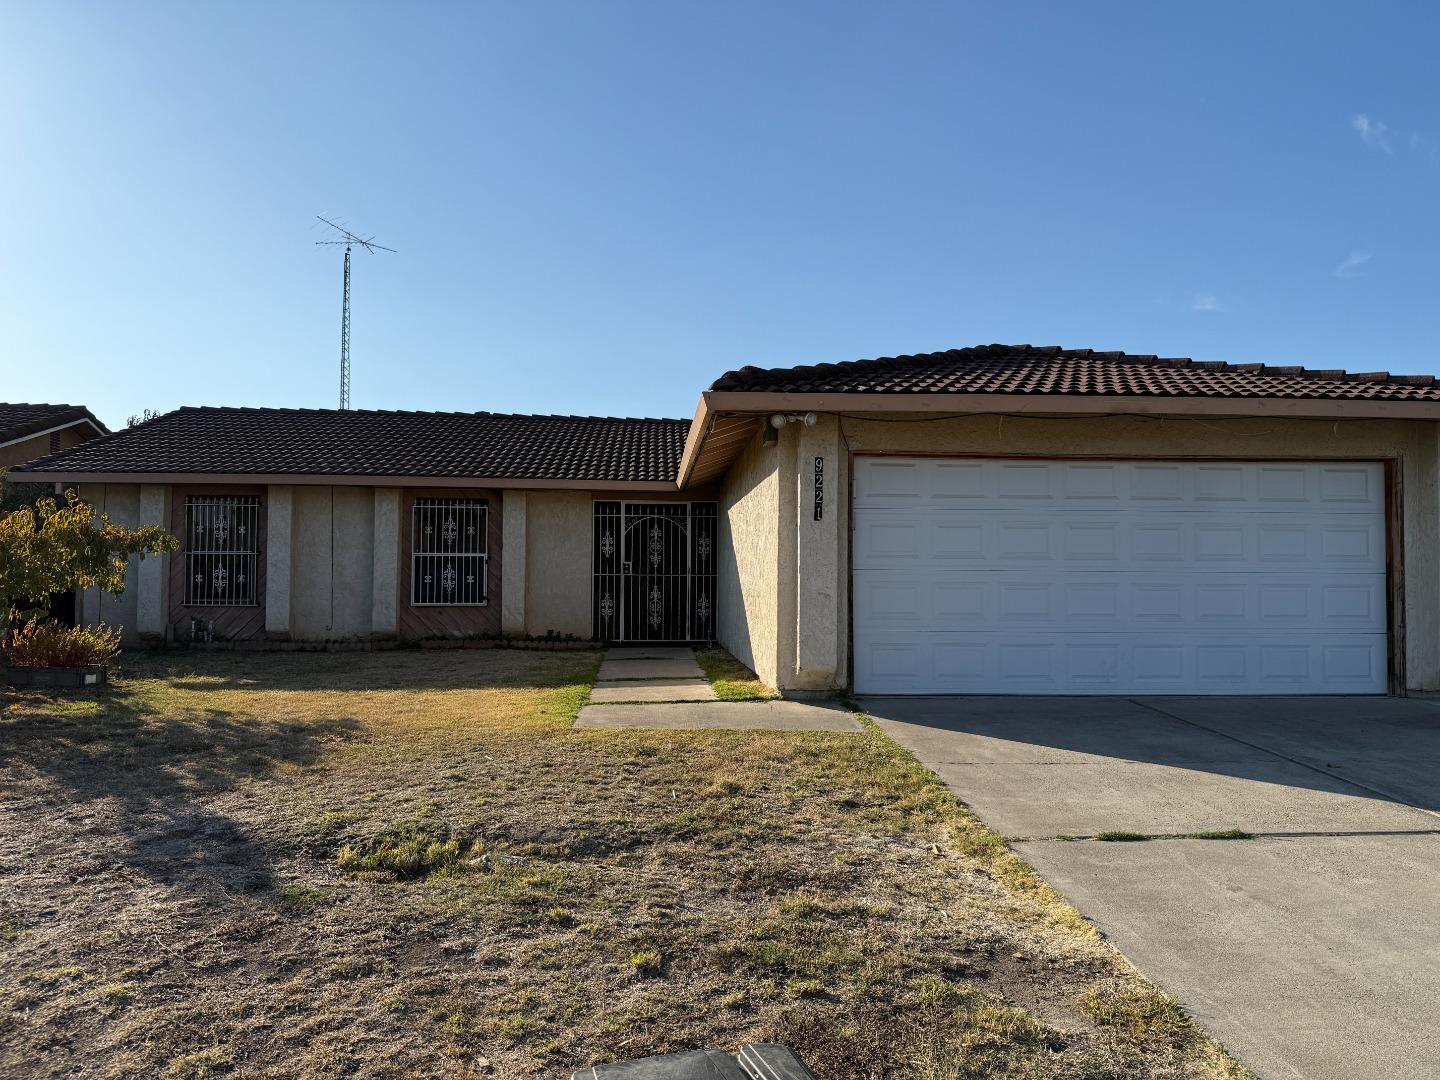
(89, 605)
(153, 571)
(385, 582)
(818, 492)
(514, 507)
(279, 520)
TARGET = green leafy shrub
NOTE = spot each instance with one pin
(52, 644)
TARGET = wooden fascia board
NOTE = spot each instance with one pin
(695, 439)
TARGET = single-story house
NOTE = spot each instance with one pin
(998, 519)
(28, 432)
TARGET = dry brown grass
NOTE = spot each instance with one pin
(410, 864)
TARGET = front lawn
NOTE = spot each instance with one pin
(405, 864)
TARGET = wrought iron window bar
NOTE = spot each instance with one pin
(222, 549)
(449, 553)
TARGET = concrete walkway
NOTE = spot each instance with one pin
(663, 688)
(1311, 951)
(657, 674)
(722, 716)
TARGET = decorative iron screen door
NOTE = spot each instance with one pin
(654, 570)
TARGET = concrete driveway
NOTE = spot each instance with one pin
(1312, 950)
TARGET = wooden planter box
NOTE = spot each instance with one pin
(56, 677)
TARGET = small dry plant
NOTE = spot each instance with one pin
(53, 644)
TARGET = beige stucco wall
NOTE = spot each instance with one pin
(121, 502)
(750, 563)
(822, 636)
(514, 505)
(331, 582)
(557, 569)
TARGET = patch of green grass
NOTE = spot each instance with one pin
(330, 825)
(732, 680)
(117, 993)
(1119, 836)
(646, 961)
(51, 976)
(407, 851)
(1141, 1016)
(804, 988)
(1221, 834)
(298, 894)
(201, 1063)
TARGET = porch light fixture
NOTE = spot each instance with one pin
(779, 420)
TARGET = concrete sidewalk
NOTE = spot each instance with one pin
(1310, 951)
(665, 689)
(722, 716)
(659, 674)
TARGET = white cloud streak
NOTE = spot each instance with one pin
(1351, 264)
(1372, 132)
(1205, 302)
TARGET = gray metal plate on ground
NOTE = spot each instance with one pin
(770, 1061)
(756, 1061)
(689, 1065)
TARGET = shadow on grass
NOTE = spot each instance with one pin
(147, 774)
(389, 669)
(147, 754)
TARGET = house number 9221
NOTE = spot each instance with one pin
(819, 488)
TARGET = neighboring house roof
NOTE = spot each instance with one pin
(308, 443)
(20, 421)
(1029, 369)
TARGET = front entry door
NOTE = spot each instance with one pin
(654, 571)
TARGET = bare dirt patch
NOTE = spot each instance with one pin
(409, 864)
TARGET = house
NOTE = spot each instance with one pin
(998, 519)
(28, 432)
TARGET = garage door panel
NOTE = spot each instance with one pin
(1205, 487)
(976, 576)
(980, 662)
(1058, 601)
(1012, 539)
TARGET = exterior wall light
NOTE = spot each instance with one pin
(779, 420)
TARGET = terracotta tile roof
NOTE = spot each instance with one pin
(18, 420)
(330, 442)
(1028, 369)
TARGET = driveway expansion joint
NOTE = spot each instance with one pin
(1328, 773)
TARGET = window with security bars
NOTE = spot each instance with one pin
(449, 557)
(222, 549)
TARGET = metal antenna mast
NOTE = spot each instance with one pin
(349, 240)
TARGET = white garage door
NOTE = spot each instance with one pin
(1100, 577)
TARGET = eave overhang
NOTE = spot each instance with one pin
(725, 421)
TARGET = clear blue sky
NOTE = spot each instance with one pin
(600, 207)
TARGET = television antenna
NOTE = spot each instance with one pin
(349, 239)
